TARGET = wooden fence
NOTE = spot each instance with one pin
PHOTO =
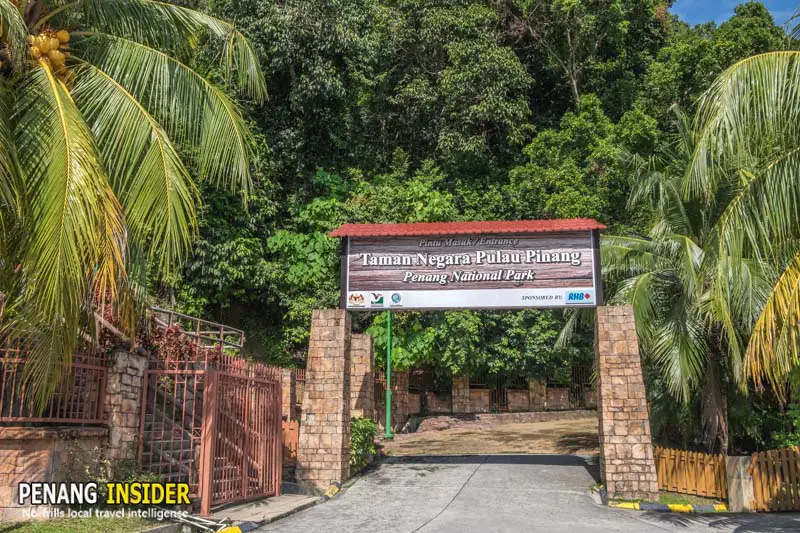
(688, 472)
(776, 480)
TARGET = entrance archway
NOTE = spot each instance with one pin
(549, 270)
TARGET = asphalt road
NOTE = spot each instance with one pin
(497, 493)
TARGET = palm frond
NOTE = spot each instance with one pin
(158, 24)
(628, 256)
(72, 209)
(10, 185)
(679, 348)
(637, 291)
(687, 258)
(749, 112)
(146, 172)
(576, 319)
(764, 207)
(189, 107)
(774, 347)
(14, 32)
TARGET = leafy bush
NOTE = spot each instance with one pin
(362, 442)
(786, 438)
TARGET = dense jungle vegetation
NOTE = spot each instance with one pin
(433, 110)
(412, 110)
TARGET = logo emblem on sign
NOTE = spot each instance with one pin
(578, 297)
(376, 298)
(396, 299)
(356, 299)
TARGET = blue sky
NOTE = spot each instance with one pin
(697, 11)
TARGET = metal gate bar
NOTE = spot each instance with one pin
(218, 431)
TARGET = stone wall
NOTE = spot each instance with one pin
(362, 377)
(626, 451)
(324, 447)
(400, 403)
(557, 398)
(518, 400)
(399, 399)
(437, 402)
(460, 394)
(299, 395)
(123, 403)
(537, 394)
(479, 400)
(41, 454)
(590, 398)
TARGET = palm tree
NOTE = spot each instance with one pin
(690, 325)
(98, 102)
(715, 285)
(748, 149)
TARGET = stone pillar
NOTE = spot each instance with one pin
(627, 466)
(362, 377)
(460, 394)
(288, 398)
(537, 392)
(323, 452)
(123, 403)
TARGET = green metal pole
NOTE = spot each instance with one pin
(388, 434)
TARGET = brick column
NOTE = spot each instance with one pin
(537, 392)
(123, 403)
(323, 453)
(627, 466)
(362, 377)
(288, 398)
(460, 394)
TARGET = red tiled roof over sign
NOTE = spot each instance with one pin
(464, 228)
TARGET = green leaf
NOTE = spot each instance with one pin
(14, 32)
(189, 107)
(147, 174)
(74, 224)
(161, 24)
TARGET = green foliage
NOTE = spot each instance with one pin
(422, 110)
(790, 438)
(576, 170)
(362, 442)
(82, 464)
(694, 57)
(96, 147)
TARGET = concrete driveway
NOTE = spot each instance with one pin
(497, 493)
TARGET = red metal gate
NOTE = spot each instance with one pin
(244, 434)
(219, 431)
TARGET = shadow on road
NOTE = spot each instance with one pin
(591, 464)
(737, 523)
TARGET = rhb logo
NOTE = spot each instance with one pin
(577, 297)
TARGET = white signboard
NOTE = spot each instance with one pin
(498, 271)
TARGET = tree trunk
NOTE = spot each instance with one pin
(715, 406)
(573, 82)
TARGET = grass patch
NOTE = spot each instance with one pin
(674, 497)
(84, 525)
